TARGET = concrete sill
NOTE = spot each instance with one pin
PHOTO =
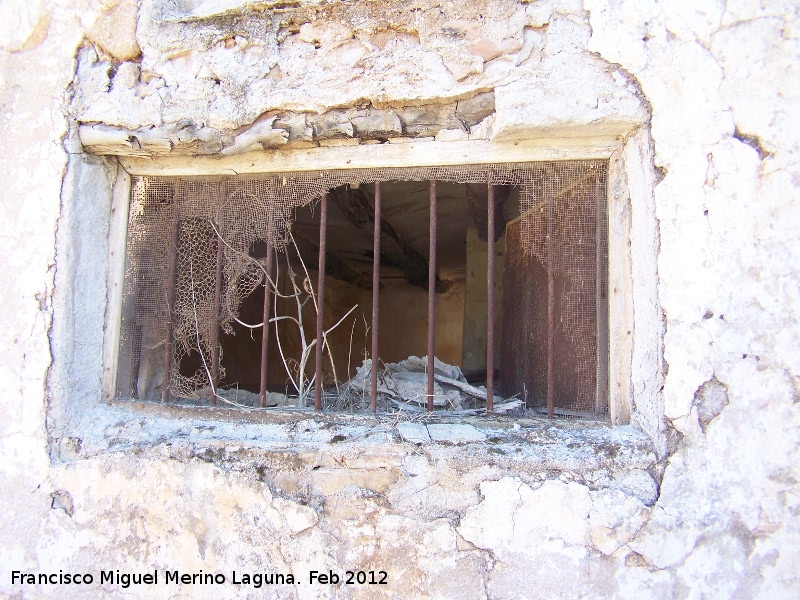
(292, 439)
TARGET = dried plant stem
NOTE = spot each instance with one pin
(200, 348)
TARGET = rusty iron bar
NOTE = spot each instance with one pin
(600, 393)
(550, 302)
(262, 392)
(215, 321)
(172, 268)
(490, 301)
(323, 226)
(376, 288)
(601, 398)
(431, 296)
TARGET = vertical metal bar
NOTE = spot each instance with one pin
(376, 288)
(262, 393)
(215, 322)
(490, 302)
(431, 295)
(323, 226)
(601, 399)
(172, 268)
(550, 301)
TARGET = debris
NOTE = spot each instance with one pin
(505, 407)
(508, 406)
(414, 364)
(406, 406)
(464, 387)
(246, 398)
(412, 387)
(404, 386)
(400, 386)
(454, 433)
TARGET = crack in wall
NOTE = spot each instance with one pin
(753, 141)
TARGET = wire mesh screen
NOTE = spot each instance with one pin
(560, 240)
(561, 231)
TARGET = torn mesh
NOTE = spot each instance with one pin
(244, 210)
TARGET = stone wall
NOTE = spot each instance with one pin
(698, 497)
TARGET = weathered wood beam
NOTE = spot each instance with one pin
(271, 130)
(477, 201)
(367, 156)
(356, 207)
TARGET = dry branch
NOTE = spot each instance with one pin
(464, 387)
(497, 409)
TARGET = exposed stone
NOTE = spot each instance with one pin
(416, 433)
(115, 30)
(187, 138)
(428, 120)
(489, 49)
(62, 499)
(258, 136)
(333, 124)
(296, 126)
(461, 71)
(328, 482)
(377, 124)
(455, 433)
(532, 42)
(462, 29)
(472, 111)
(710, 399)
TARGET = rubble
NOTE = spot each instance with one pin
(239, 397)
(404, 385)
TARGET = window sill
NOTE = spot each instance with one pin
(290, 439)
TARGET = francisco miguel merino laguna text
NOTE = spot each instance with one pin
(126, 580)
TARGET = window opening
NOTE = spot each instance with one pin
(210, 261)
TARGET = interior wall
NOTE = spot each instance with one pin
(402, 327)
(476, 301)
(404, 323)
(403, 332)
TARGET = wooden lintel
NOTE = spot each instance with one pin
(423, 153)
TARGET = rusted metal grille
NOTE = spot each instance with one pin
(190, 263)
(555, 282)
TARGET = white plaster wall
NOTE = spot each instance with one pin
(728, 214)
(693, 507)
